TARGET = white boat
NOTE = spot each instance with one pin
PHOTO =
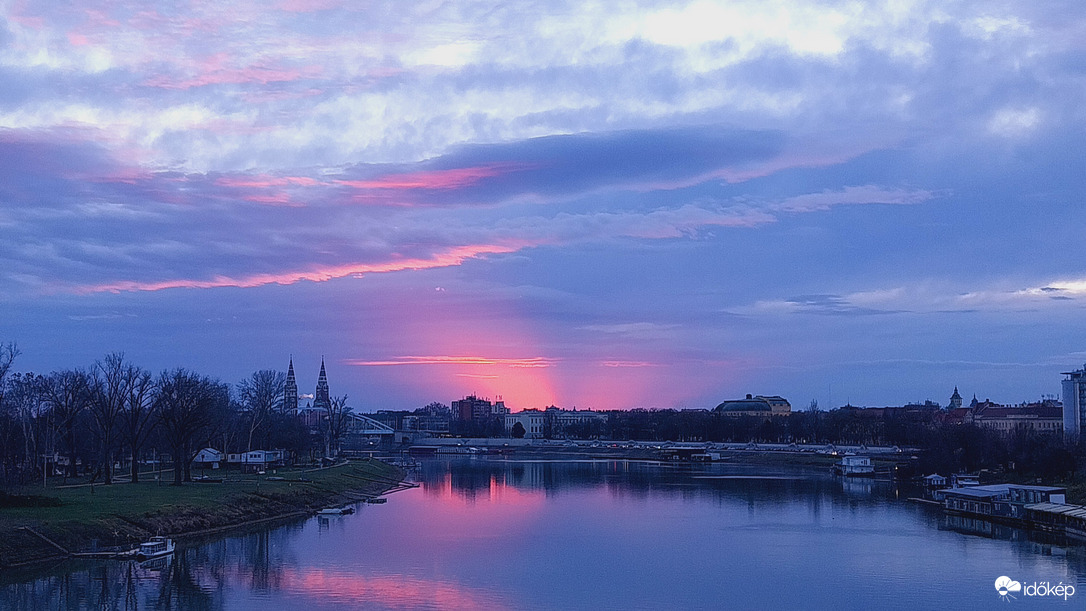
(154, 548)
(336, 511)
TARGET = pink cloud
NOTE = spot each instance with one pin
(308, 6)
(261, 97)
(454, 256)
(276, 199)
(438, 179)
(629, 364)
(267, 182)
(215, 75)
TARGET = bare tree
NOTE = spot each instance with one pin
(190, 407)
(68, 394)
(335, 424)
(261, 395)
(139, 417)
(26, 403)
(8, 353)
(109, 391)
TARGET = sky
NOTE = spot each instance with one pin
(588, 204)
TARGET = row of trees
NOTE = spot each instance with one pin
(88, 420)
(947, 447)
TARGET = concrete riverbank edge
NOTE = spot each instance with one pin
(120, 516)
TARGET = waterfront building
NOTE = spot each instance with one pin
(1061, 518)
(761, 405)
(1074, 403)
(934, 482)
(475, 409)
(975, 500)
(854, 466)
(564, 418)
(1025, 494)
(1043, 417)
(557, 422)
(1010, 501)
(533, 420)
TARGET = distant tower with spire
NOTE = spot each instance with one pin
(955, 400)
(321, 398)
(290, 391)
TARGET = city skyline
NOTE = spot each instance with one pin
(651, 205)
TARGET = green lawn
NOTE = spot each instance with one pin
(121, 513)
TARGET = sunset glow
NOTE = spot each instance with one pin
(601, 206)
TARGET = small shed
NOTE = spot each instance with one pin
(208, 458)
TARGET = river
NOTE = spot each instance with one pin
(594, 534)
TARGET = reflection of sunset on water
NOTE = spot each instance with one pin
(384, 591)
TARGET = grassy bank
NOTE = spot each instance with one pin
(122, 515)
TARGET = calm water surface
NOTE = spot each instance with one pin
(499, 534)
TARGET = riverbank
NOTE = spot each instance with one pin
(120, 516)
(622, 451)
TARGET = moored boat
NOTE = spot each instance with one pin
(154, 547)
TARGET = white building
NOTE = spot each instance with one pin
(258, 459)
(536, 422)
(855, 465)
(533, 421)
(208, 457)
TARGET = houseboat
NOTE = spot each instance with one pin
(155, 547)
(854, 466)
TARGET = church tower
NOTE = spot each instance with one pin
(955, 400)
(321, 398)
(290, 391)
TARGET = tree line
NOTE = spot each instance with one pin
(946, 447)
(86, 421)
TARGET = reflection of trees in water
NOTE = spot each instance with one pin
(194, 578)
(468, 477)
(255, 560)
(115, 585)
(180, 587)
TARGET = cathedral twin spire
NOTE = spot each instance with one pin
(321, 398)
